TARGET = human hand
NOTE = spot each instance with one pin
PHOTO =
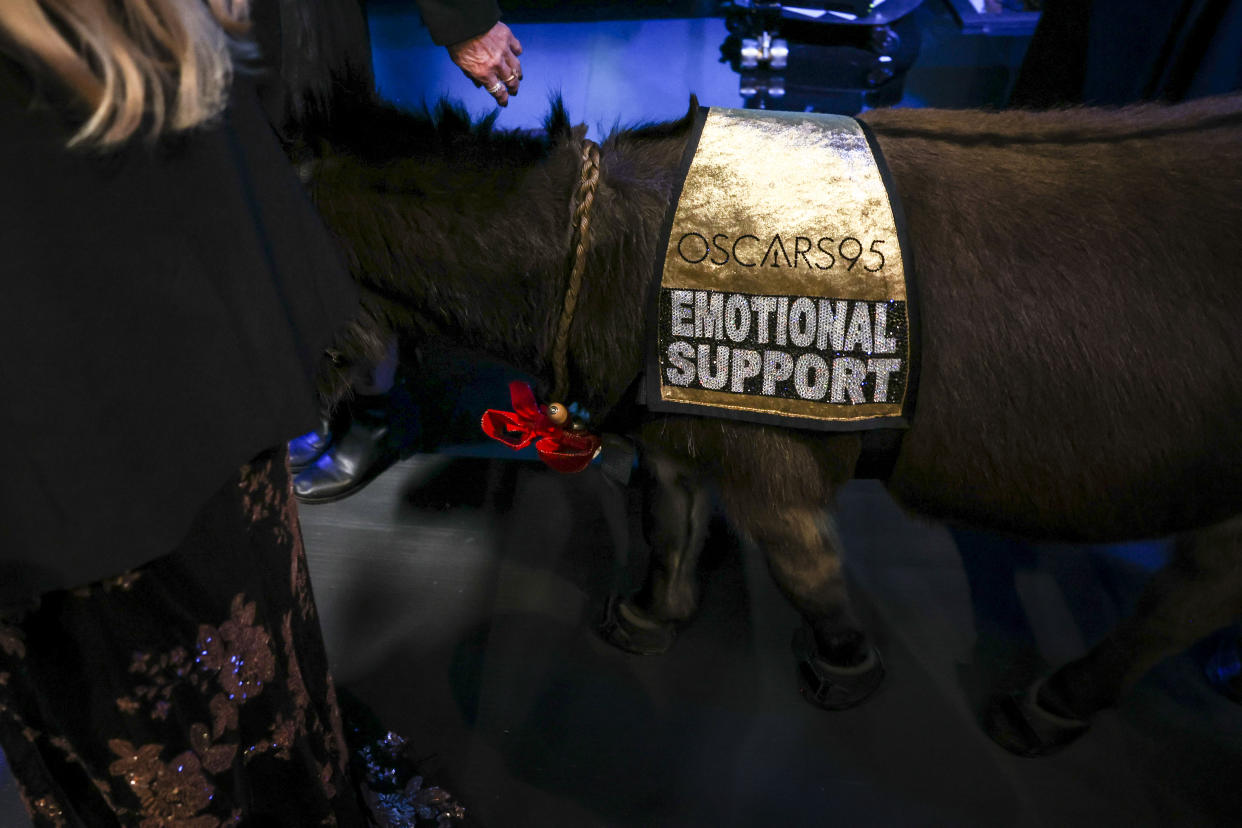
(491, 61)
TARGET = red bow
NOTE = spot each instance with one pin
(565, 451)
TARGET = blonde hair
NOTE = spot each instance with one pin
(165, 64)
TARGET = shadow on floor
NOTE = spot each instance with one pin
(478, 621)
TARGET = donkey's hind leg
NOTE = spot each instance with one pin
(676, 512)
(1197, 592)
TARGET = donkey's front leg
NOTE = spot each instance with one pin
(837, 665)
(676, 511)
(778, 487)
(1197, 592)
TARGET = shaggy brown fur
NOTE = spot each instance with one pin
(1079, 278)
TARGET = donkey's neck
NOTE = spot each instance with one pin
(606, 346)
(459, 250)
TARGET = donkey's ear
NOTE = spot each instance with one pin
(694, 106)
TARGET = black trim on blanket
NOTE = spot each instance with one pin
(880, 447)
(651, 380)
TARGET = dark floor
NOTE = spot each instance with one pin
(460, 597)
(459, 593)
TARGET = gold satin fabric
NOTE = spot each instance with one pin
(762, 174)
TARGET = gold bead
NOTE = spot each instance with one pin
(558, 414)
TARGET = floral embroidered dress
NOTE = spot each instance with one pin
(192, 692)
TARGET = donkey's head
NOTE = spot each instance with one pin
(453, 228)
(459, 230)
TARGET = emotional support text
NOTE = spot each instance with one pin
(841, 351)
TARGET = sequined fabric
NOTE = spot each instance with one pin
(386, 773)
(190, 693)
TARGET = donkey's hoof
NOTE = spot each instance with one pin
(631, 629)
(1021, 725)
(830, 686)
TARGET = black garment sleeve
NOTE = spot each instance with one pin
(452, 21)
(164, 310)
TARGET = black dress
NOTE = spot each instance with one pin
(163, 313)
(164, 310)
(193, 691)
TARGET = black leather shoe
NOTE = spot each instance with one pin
(306, 449)
(368, 446)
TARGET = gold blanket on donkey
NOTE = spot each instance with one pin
(782, 293)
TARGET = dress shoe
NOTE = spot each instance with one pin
(309, 447)
(367, 447)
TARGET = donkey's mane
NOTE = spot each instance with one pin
(376, 131)
(379, 131)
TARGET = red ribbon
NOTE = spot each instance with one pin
(565, 451)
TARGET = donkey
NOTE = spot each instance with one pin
(1080, 280)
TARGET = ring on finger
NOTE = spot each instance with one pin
(511, 78)
(496, 87)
